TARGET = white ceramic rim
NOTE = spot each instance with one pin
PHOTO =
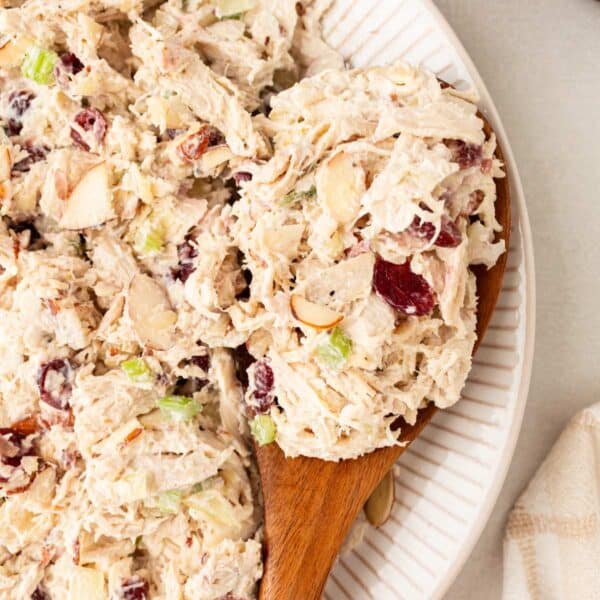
(518, 199)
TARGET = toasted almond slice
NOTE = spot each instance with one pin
(284, 240)
(151, 314)
(340, 186)
(379, 505)
(90, 202)
(5, 163)
(215, 156)
(314, 315)
(13, 51)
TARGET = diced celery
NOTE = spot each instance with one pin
(137, 370)
(179, 408)
(39, 64)
(150, 242)
(231, 9)
(336, 350)
(263, 429)
(295, 196)
(170, 501)
(212, 506)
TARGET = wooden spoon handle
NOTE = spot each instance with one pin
(328, 496)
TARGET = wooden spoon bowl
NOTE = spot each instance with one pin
(310, 504)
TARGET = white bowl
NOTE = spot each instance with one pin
(448, 481)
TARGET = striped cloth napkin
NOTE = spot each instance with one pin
(552, 542)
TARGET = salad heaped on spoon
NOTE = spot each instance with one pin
(212, 230)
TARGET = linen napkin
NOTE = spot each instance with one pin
(552, 542)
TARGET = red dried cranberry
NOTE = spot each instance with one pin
(196, 144)
(242, 176)
(475, 199)
(35, 154)
(40, 594)
(55, 393)
(465, 154)
(403, 289)
(70, 63)
(186, 252)
(263, 387)
(89, 119)
(134, 588)
(230, 596)
(448, 237)
(18, 103)
(215, 137)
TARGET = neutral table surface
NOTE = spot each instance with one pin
(541, 62)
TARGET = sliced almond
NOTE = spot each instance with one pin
(13, 51)
(5, 163)
(314, 315)
(379, 505)
(90, 202)
(340, 186)
(214, 157)
(284, 240)
(151, 314)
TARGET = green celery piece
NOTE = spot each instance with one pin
(170, 501)
(336, 350)
(179, 408)
(38, 65)
(137, 370)
(151, 243)
(295, 196)
(263, 429)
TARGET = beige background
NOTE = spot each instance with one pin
(541, 62)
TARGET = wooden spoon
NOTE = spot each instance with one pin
(310, 504)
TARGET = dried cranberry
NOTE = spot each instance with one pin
(230, 596)
(196, 144)
(475, 199)
(263, 386)
(18, 102)
(203, 362)
(40, 594)
(134, 588)
(186, 252)
(89, 119)
(448, 237)
(403, 289)
(242, 176)
(55, 393)
(70, 63)
(465, 154)
(35, 154)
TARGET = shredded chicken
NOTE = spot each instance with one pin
(211, 229)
